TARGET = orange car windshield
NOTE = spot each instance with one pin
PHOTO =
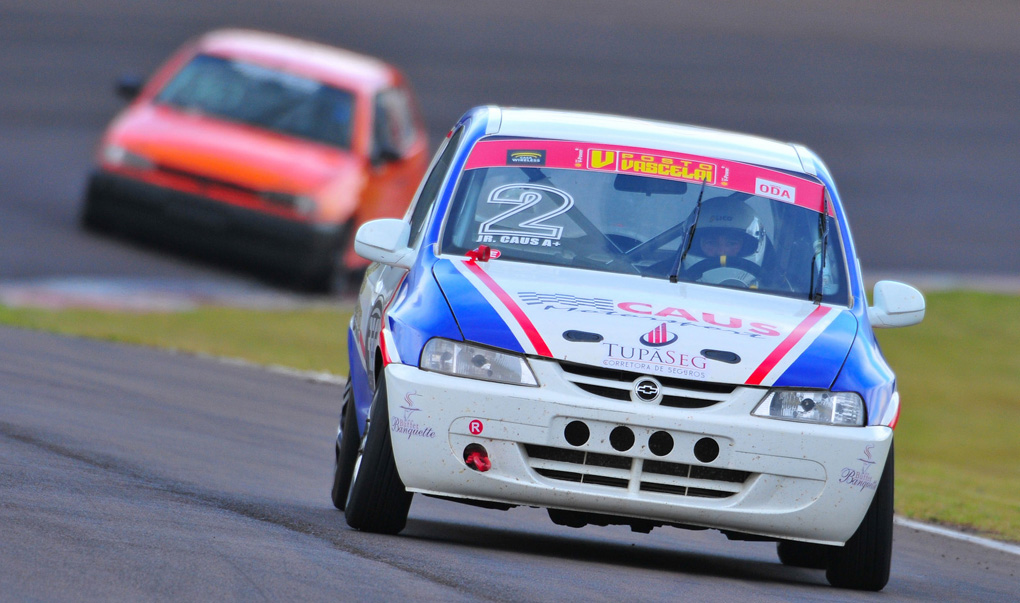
(266, 98)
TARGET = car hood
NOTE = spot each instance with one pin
(647, 326)
(222, 150)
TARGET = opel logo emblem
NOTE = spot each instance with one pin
(647, 390)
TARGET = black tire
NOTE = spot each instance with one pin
(346, 450)
(864, 562)
(377, 501)
(330, 274)
(90, 218)
(803, 554)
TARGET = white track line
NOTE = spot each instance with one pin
(985, 542)
(315, 376)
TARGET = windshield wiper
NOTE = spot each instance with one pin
(681, 252)
(817, 290)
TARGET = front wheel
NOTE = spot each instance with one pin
(346, 450)
(803, 554)
(377, 500)
(329, 273)
(863, 562)
(91, 218)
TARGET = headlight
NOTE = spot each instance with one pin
(834, 408)
(475, 362)
(119, 156)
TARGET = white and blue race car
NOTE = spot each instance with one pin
(626, 322)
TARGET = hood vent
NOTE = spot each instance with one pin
(582, 336)
(721, 356)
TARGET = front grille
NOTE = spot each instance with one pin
(618, 471)
(615, 384)
(605, 392)
(686, 402)
(607, 374)
(218, 187)
(205, 181)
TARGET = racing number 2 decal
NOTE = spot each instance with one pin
(521, 198)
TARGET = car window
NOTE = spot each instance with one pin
(394, 129)
(263, 97)
(636, 224)
(430, 190)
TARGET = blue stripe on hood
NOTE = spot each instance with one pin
(477, 319)
(819, 365)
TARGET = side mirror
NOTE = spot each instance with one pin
(129, 86)
(896, 305)
(385, 241)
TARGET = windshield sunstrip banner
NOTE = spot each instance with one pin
(731, 175)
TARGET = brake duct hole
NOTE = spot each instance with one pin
(660, 443)
(576, 433)
(706, 450)
(621, 438)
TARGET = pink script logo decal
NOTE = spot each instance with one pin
(862, 478)
(407, 425)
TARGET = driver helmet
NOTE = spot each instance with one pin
(727, 228)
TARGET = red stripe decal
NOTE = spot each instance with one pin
(522, 319)
(896, 419)
(382, 348)
(382, 322)
(786, 345)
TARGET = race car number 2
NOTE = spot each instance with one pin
(511, 227)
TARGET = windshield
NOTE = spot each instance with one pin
(580, 215)
(263, 97)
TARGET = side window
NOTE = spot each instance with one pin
(394, 129)
(430, 189)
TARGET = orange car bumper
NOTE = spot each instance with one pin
(205, 226)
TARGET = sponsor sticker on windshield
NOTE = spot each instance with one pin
(775, 190)
(601, 159)
(658, 165)
(655, 163)
(525, 214)
(522, 157)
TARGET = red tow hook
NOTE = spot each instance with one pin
(476, 457)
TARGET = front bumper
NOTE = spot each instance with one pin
(210, 226)
(770, 478)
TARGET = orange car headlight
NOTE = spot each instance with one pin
(118, 156)
(303, 204)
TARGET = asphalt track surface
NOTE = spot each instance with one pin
(136, 474)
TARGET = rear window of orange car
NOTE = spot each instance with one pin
(263, 97)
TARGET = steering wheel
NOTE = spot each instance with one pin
(698, 270)
(651, 245)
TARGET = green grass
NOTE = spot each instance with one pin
(957, 442)
(958, 439)
(313, 339)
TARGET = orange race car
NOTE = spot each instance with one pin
(263, 149)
